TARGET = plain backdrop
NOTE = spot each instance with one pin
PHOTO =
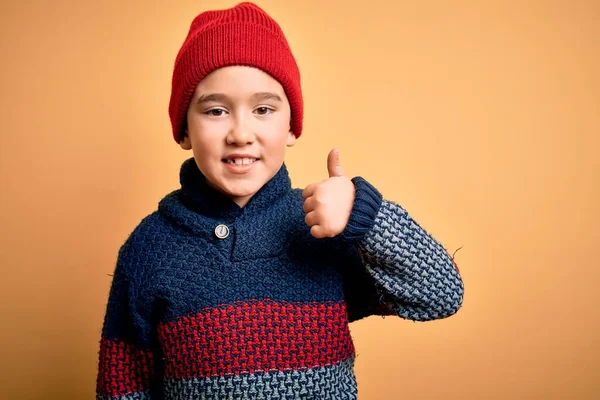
(481, 118)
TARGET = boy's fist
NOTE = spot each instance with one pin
(328, 204)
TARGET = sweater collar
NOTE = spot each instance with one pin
(198, 196)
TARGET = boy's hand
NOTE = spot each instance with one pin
(328, 204)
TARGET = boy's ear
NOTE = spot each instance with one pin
(185, 142)
(291, 140)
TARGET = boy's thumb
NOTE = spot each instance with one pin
(333, 164)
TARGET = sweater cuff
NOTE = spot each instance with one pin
(367, 202)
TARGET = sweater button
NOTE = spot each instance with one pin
(222, 231)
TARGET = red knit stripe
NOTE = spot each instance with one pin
(123, 369)
(256, 336)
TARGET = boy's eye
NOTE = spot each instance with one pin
(215, 112)
(264, 110)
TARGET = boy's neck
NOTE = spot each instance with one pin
(241, 201)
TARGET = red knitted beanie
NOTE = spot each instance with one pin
(242, 35)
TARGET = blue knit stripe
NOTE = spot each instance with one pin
(323, 383)
(145, 395)
(416, 273)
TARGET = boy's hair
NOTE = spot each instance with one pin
(241, 35)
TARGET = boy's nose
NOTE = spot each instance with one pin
(240, 134)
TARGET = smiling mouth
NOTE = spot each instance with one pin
(240, 161)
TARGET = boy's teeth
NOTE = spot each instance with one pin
(242, 161)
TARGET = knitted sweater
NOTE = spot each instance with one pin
(213, 301)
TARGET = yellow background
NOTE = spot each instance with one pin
(480, 117)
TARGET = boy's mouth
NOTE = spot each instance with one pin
(240, 160)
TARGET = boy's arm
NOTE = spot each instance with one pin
(396, 267)
(126, 363)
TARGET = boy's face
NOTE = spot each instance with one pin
(238, 126)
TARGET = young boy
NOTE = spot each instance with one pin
(238, 286)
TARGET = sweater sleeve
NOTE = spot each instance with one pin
(126, 361)
(399, 268)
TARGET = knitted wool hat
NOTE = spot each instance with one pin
(241, 35)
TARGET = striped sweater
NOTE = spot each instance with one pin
(213, 301)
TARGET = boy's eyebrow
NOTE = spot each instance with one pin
(266, 96)
(220, 97)
(216, 97)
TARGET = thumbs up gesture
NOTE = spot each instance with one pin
(328, 204)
